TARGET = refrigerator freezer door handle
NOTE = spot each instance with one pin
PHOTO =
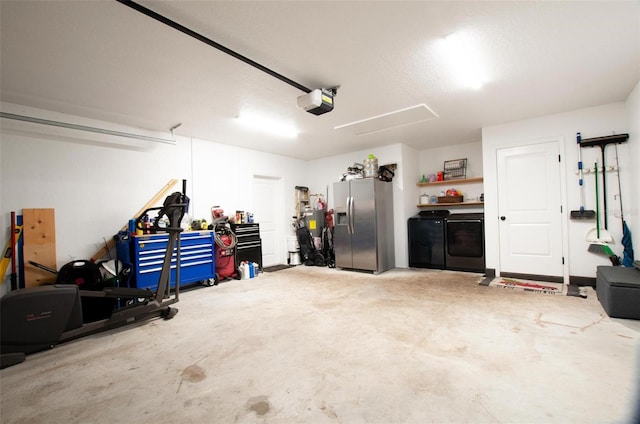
(350, 216)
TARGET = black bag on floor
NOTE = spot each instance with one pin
(318, 259)
(306, 246)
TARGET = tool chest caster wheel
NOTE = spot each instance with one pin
(210, 282)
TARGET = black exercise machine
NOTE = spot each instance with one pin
(38, 318)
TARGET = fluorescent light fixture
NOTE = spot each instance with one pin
(267, 124)
(465, 59)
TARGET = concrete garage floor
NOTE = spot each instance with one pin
(318, 345)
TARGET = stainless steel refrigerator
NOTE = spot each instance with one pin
(363, 237)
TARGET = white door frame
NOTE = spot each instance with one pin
(564, 167)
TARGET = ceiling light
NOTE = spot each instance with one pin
(465, 59)
(267, 124)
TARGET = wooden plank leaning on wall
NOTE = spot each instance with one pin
(39, 235)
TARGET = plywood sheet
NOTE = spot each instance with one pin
(39, 236)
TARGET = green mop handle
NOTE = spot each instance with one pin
(597, 205)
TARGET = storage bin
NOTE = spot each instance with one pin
(618, 290)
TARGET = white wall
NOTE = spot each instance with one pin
(95, 187)
(432, 160)
(631, 190)
(223, 176)
(592, 122)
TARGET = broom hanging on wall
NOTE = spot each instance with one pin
(597, 237)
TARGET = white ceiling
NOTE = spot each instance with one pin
(104, 60)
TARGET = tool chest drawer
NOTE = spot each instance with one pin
(197, 260)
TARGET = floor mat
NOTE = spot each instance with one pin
(528, 285)
(275, 268)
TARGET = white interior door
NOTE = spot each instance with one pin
(529, 206)
(268, 202)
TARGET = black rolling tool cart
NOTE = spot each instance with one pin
(249, 244)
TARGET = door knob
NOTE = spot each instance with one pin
(502, 218)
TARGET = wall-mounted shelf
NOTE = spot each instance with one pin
(450, 182)
(435, 205)
(603, 141)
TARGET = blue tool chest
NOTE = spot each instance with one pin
(197, 260)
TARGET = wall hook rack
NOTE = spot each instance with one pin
(602, 142)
